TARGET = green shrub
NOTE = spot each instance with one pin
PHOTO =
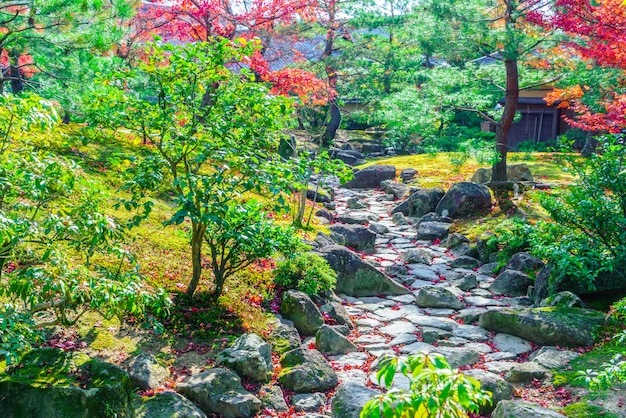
(586, 238)
(532, 146)
(436, 390)
(306, 272)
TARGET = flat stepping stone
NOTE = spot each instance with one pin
(430, 335)
(470, 315)
(417, 348)
(500, 356)
(368, 322)
(370, 339)
(499, 367)
(483, 301)
(459, 356)
(418, 284)
(471, 332)
(380, 353)
(511, 344)
(374, 300)
(442, 312)
(400, 382)
(397, 328)
(387, 314)
(352, 375)
(453, 342)
(429, 321)
(482, 348)
(422, 272)
(348, 360)
(403, 339)
(403, 298)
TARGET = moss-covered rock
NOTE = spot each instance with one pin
(51, 383)
(299, 308)
(566, 327)
(306, 371)
(166, 405)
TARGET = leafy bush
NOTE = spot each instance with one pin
(60, 255)
(306, 272)
(436, 390)
(532, 146)
(586, 239)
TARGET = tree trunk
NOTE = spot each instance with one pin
(590, 146)
(197, 237)
(14, 72)
(333, 123)
(511, 100)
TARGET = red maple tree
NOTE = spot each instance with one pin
(270, 21)
(600, 27)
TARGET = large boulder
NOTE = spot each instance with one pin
(433, 230)
(350, 398)
(146, 372)
(523, 262)
(306, 371)
(330, 341)
(166, 405)
(284, 338)
(371, 177)
(356, 277)
(219, 391)
(566, 327)
(420, 202)
(408, 174)
(358, 237)
(250, 357)
(465, 198)
(50, 383)
(523, 409)
(511, 283)
(514, 172)
(298, 307)
(338, 313)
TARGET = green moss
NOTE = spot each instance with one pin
(584, 410)
(281, 345)
(590, 360)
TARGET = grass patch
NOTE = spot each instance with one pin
(585, 410)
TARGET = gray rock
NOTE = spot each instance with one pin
(355, 236)
(299, 308)
(470, 315)
(523, 262)
(526, 372)
(396, 270)
(329, 341)
(459, 356)
(397, 328)
(219, 391)
(511, 344)
(39, 387)
(306, 371)
(465, 262)
(308, 402)
(488, 268)
(484, 247)
(432, 230)
(398, 190)
(511, 283)
(551, 358)
(500, 389)
(323, 240)
(471, 332)
(357, 218)
(356, 203)
(350, 398)
(566, 327)
(417, 348)
(437, 297)
(465, 198)
(408, 174)
(146, 373)
(271, 396)
(356, 277)
(523, 409)
(420, 202)
(418, 256)
(399, 219)
(166, 405)
(249, 356)
(323, 213)
(336, 311)
(564, 299)
(371, 177)
(465, 281)
(284, 338)
(430, 335)
(429, 321)
(514, 172)
(378, 228)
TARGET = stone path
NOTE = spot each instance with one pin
(440, 314)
